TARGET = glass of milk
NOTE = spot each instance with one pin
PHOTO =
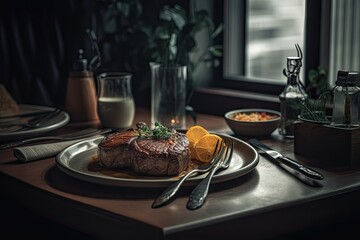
(116, 106)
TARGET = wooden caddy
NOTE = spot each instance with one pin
(327, 145)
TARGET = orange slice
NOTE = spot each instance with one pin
(204, 148)
(194, 133)
(193, 153)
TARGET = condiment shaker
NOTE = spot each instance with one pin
(81, 99)
(346, 101)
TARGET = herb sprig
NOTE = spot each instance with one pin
(159, 132)
(314, 109)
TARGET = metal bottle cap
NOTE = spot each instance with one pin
(294, 64)
(81, 63)
(347, 78)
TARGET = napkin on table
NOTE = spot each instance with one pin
(40, 151)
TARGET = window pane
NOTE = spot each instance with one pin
(272, 29)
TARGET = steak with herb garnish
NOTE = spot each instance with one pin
(157, 152)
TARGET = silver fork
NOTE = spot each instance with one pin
(69, 136)
(35, 122)
(169, 192)
(200, 192)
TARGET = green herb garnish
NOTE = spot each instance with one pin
(159, 132)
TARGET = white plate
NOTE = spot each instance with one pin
(55, 123)
(75, 159)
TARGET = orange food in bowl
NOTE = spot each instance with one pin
(253, 122)
(254, 116)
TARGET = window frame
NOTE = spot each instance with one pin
(316, 45)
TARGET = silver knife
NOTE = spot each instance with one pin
(35, 122)
(303, 173)
(23, 115)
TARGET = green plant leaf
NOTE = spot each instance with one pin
(124, 8)
(313, 76)
(216, 62)
(188, 43)
(217, 31)
(201, 15)
(162, 33)
(216, 50)
(322, 70)
(165, 13)
(176, 15)
(178, 20)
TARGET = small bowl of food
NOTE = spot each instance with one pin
(253, 122)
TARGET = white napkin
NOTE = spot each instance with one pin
(46, 150)
(36, 152)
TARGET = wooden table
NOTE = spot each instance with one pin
(262, 204)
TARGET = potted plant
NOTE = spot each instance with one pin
(129, 39)
(175, 40)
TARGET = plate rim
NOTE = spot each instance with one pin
(61, 162)
(36, 131)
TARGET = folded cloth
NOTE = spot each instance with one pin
(41, 151)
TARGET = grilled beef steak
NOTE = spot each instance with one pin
(155, 157)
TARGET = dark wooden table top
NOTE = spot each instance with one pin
(265, 203)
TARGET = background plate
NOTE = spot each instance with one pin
(75, 159)
(55, 123)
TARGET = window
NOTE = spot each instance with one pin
(329, 35)
(268, 31)
(259, 35)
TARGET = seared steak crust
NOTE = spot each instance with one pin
(163, 157)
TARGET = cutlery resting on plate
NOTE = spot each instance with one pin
(221, 160)
(200, 192)
(37, 119)
(68, 136)
(15, 133)
(169, 192)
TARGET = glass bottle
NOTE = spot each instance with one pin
(290, 98)
(346, 100)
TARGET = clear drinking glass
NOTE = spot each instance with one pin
(116, 106)
(168, 95)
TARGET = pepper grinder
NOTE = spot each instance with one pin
(81, 99)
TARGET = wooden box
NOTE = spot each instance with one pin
(327, 145)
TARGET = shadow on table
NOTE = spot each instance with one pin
(61, 181)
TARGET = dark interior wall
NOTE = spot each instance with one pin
(39, 41)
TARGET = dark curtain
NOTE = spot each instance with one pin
(39, 42)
